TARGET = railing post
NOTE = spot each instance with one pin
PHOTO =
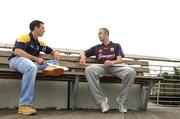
(159, 86)
(158, 91)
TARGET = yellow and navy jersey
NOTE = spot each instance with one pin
(30, 45)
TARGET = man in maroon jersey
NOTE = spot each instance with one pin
(108, 54)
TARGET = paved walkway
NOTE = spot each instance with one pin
(153, 113)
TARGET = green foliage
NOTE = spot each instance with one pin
(174, 75)
(166, 75)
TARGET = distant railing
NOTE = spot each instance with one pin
(166, 92)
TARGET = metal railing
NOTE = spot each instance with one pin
(166, 92)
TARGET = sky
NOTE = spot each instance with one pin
(142, 27)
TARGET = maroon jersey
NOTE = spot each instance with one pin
(105, 52)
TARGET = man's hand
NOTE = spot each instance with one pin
(40, 60)
(108, 63)
(56, 55)
(82, 61)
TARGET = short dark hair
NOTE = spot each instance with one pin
(106, 30)
(35, 23)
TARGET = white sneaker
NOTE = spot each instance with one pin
(104, 105)
(122, 108)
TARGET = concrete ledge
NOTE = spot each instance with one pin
(53, 94)
(85, 100)
(48, 94)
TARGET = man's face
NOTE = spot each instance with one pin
(102, 35)
(40, 30)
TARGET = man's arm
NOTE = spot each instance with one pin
(21, 53)
(117, 61)
(48, 50)
(82, 60)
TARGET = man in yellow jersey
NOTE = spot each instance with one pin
(25, 59)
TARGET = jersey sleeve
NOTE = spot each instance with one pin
(21, 42)
(44, 48)
(90, 52)
(119, 51)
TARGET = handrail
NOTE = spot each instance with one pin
(131, 56)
